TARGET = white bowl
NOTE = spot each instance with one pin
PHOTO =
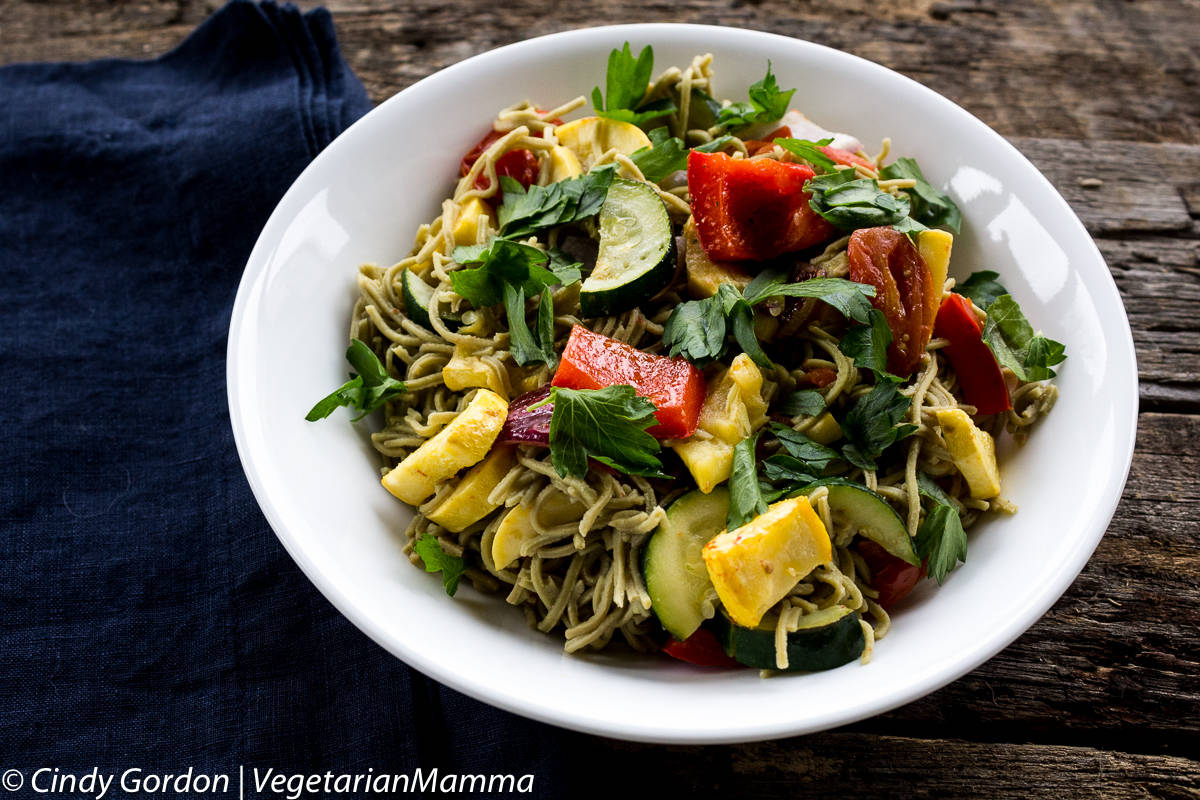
(318, 484)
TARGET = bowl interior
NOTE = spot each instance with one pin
(318, 484)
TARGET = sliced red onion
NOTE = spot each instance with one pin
(524, 426)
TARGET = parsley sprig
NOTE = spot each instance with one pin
(526, 211)
(873, 424)
(746, 499)
(941, 541)
(668, 154)
(625, 84)
(1008, 333)
(930, 205)
(766, 102)
(868, 344)
(607, 425)
(438, 560)
(509, 272)
(850, 202)
(366, 391)
(697, 329)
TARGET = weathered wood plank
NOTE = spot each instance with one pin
(1143, 184)
(844, 764)
(1159, 280)
(1065, 70)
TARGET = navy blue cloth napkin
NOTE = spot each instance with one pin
(148, 616)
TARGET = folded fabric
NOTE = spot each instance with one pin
(150, 617)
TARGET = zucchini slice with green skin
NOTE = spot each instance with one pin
(672, 565)
(873, 517)
(417, 296)
(637, 251)
(826, 639)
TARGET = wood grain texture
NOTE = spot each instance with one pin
(844, 764)
(1101, 698)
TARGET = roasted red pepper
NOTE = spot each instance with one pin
(752, 210)
(888, 260)
(892, 577)
(701, 648)
(520, 165)
(974, 363)
(594, 361)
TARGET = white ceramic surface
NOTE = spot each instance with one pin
(364, 196)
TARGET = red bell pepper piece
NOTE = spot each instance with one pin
(974, 362)
(892, 577)
(752, 210)
(701, 648)
(594, 361)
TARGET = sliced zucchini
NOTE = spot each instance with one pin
(826, 639)
(637, 251)
(417, 296)
(873, 517)
(676, 577)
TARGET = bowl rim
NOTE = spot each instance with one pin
(1028, 615)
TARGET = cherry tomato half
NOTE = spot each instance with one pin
(700, 648)
(888, 260)
(892, 577)
(520, 165)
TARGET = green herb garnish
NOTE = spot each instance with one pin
(767, 102)
(981, 288)
(697, 329)
(608, 425)
(1029, 355)
(746, 499)
(366, 391)
(625, 83)
(868, 344)
(941, 541)
(808, 150)
(850, 202)
(526, 211)
(871, 424)
(930, 205)
(803, 403)
(438, 560)
(528, 347)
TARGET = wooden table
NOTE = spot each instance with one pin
(1102, 697)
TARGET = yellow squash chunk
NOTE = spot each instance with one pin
(973, 451)
(934, 247)
(462, 443)
(756, 565)
(471, 372)
(591, 137)
(704, 275)
(517, 526)
(474, 216)
(563, 164)
(468, 503)
(825, 429)
(733, 409)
